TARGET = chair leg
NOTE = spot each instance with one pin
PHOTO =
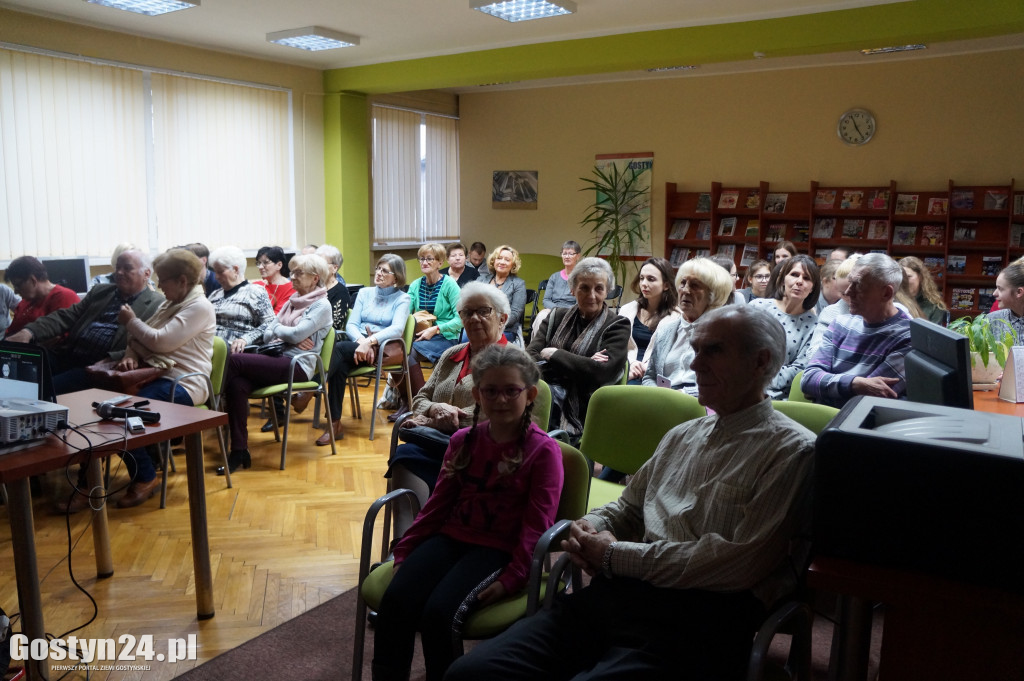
(222, 439)
(327, 416)
(373, 405)
(165, 454)
(273, 417)
(353, 394)
(287, 421)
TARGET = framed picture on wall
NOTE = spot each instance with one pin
(516, 189)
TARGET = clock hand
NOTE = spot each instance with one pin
(856, 127)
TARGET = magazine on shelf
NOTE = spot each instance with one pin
(906, 204)
(991, 265)
(965, 230)
(702, 253)
(679, 256)
(825, 198)
(823, 228)
(822, 255)
(903, 235)
(800, 232)
(853, 229)
(727, 227)
(986, 299)
(749, 255)
(962, 199)
(956, 264)
(753, 199)
(935, 264)
(775, 203)
(852, 199)
(729, 198)
(938, 206)
(752, 227)
(679, 229)
(932, 235)
(703, 203)
(727, 250)
(1016, 235)
(879, 199)
(1018, 204)
(776, 231)
(704, 230)
(963, 298)
(996, 199)
(878, 229)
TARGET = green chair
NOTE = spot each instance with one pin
(490, 620)
(795, 393)
(378, 369)
(318, 385)
(813, 417)
(625, 424)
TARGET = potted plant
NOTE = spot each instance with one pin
(987, 341)
(617, 218)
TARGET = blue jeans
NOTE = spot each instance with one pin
(138, 462)
(431, 350)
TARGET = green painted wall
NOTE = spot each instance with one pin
(347, 181)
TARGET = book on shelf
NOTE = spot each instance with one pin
(1018, 203)
(749, 255)
(776, 231)
(703, 203)
(729, 198)
(937, 206)
(991, 265)
(822, 255)
(906, 204)
(1016, 235)
(996, 199)
(903, 235)
(702, 253)
(704, 230)
(878, 229)
(852, 199)
(935, 264)
(800, 232)
(679, 256)
(775, 202)
(727, 227)
(752, 227)
(962, 199)
(879, 199)
(986, 299)
(825, 198)
(965, 230)
(963, 298)
(679, 229)
(956, 264)
(932, 235)
(853, 229)
(823, 228)
(753, 199)
(728, 250)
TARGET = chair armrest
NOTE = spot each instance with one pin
(540, 554)
(380, 350)
(317, 371)
(793, 617)
(395, 440)
(366, 545)
(209, 386)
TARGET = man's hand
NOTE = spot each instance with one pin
(428, 333)
(876, 386)
(23, 336)
(586, 546)
(494, 592)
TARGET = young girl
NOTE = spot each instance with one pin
(471, 544)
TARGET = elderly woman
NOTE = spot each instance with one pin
(301, 325)
(504, 263)
(446, 402)
(379, 314)
(657, 300)
(702, 285)
(582, 347)
(179, 338)
(920, 287)
(337, 292)
(792, 304)
(457, 268)
(243, 311)
(755, 281)
(270, 261)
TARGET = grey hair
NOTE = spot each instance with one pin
(592, 267)
(228, 257)
(145, 262)
(497, 299)
(331, 254)
(882, 268)
(757, 331)
(397, 266)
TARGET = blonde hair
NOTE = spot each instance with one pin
(434, 250)
(712, 275)
(517, 262)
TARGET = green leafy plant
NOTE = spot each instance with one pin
(617, 219)
(985, 338)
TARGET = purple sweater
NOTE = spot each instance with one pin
(481, 506)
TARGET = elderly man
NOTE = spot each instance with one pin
(862, 353)
(686, 562)
(91, 324)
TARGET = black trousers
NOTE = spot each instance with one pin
(623, 629)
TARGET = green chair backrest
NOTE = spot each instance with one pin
(625, 423)
(813, 417)
(327, 349)
(795, 393)
(542, 406)
(576, 485)
(220, 359)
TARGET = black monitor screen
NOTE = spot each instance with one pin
(72, 273)
(938, 366)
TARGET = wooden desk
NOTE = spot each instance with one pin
(988, 400)
(54, 453)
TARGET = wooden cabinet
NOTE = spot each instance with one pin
(859, 218)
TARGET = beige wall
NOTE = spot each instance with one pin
(959, 118)
(306, 86)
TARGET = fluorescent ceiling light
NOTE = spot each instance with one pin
(896, 48)
(313, 38)
(523, 10)
(659, 69)
(147, 7)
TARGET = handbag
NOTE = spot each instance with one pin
(424, 320)
(103, 375)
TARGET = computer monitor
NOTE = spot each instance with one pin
(22, 371)
(72, 273)
(938, 366)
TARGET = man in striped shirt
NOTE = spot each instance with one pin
(862, 353)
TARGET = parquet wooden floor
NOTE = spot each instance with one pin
(281, 543)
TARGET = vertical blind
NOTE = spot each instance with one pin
(415, 177)
(92, 155)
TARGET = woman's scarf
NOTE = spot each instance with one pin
(165, 313)
(584, 345)
(293, 310)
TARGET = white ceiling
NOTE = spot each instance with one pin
(393, 30)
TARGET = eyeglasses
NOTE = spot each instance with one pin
(762, 277)
(481, 312)
(569, 254)
(425, 259)
(300, 273)
(509, 392)
(383, 270)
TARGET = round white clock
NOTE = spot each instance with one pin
(856, 126)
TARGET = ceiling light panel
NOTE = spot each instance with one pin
(894, 48)
(313, 38)
(147, 7)
(524, 10)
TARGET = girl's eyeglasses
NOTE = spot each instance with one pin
(509, 392)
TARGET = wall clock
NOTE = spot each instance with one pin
(856, 126)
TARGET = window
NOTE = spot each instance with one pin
(93, 154)
(415, 177)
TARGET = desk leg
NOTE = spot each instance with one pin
(100, 529)
(197, 517)
(26, 571)
(851, 643)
